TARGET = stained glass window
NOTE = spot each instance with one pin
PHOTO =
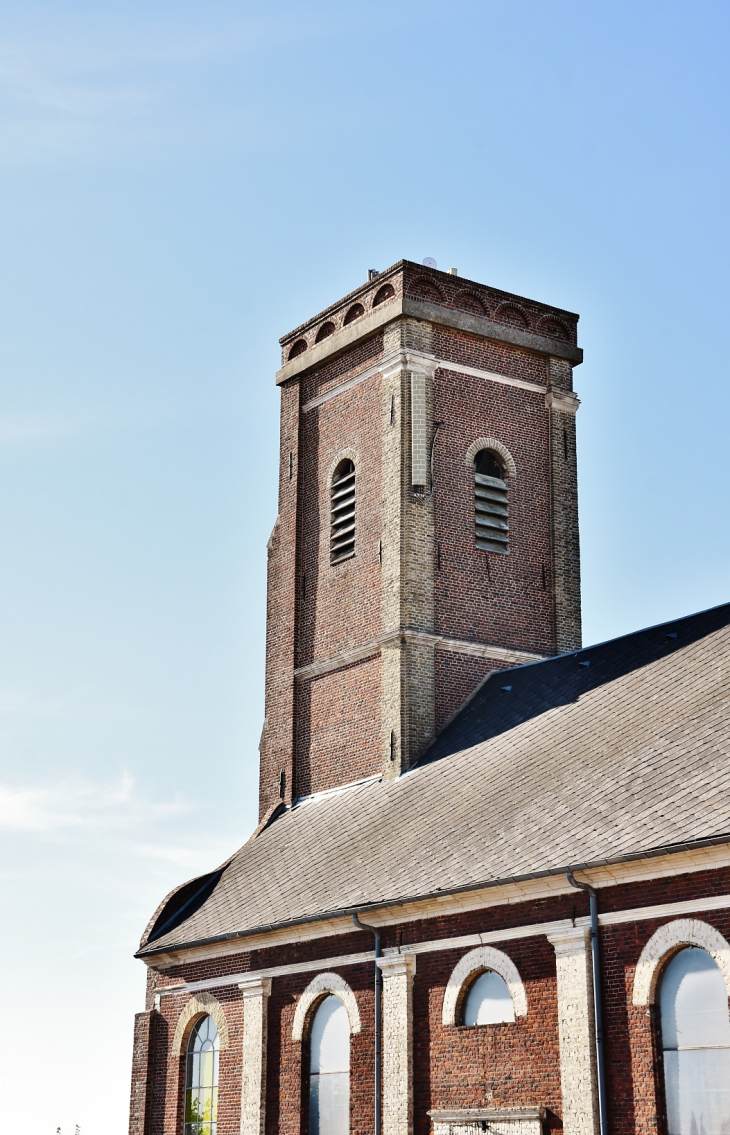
(201, 1081)
(329, 1069)
(695, 1029)
(488, 1001)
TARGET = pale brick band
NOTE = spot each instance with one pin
(576, 1030)
(475, 962)
(394, 639)
(419, 439)
(322, 985)
(667, 940)
(398, 972)
(202, 1004)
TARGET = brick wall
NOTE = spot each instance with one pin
(504, 600)
(348, 392)
(141, 1093)
(324, 758)
(504, 1065)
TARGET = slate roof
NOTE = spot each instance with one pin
(618, 751)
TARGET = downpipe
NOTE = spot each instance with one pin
(597, 1004)
(378, 1019)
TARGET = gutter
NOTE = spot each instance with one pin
(378, 1018)
(386, 904)
(597, 1001)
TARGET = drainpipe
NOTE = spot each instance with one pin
(378, 1017)
(597, 1008)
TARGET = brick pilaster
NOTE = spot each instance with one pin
(398, 974)
(139, 1108)
(562, 405)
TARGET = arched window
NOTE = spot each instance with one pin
(490, 503)
(488, 1001)
(695, 1031)
(342, 538)
(201, 1079)
(329, 1069)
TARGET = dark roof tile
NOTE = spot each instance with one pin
(577, 765)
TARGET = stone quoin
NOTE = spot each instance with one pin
(442, 759)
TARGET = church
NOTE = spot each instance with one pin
(489, 890)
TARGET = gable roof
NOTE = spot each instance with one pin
(617, 751)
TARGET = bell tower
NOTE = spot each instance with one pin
(427, 531)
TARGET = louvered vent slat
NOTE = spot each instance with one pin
(491, 507)
(342, 509)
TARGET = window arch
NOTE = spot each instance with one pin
(477, 986)
(491, 504)
(201, 1079)
(325, 331)
(329, 1069)
(695, 1039)
(385, 293)
(342, 512)
(488, 1001)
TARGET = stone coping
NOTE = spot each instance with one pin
(480, 1114)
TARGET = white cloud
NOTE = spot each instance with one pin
(77, 804)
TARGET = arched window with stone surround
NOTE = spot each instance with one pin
(342, 512)
(201, 1079)
(485, 988)
(488, 1001)
(491, 504)
(329, 1069)
(695, 1040)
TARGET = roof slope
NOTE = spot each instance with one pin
(615, 751)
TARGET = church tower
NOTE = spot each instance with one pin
(427, 531)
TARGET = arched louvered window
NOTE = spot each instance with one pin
(488, 1001)
(695, 1031)
(329, 1069)
(201, 1079)
(491, 506)
(342, 535)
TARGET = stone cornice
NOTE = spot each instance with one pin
(255, 986)
(345, 337)
(402, 635)
(397, 965)
(485, 1115)
(568, 939)
(563, 400)
(415, 360)
(563, 931)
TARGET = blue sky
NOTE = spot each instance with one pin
(182, 183)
